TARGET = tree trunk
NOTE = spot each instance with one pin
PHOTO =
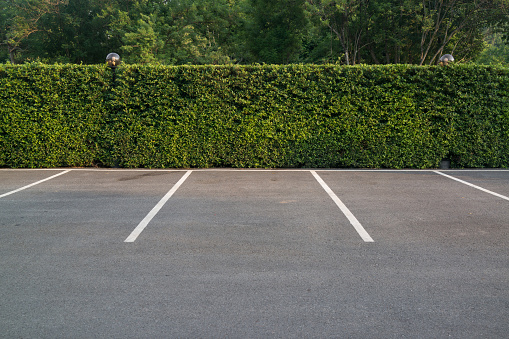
(11, 54)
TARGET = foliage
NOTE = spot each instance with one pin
(248, 31)
(51, 115)
(73, 34)
(175, 32)
(496, 52)
(407, 31)
(396, 116)
(21, 20)
(276, 30)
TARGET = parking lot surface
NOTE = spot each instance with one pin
(221, 253)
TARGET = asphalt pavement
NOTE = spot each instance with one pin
(222, 253)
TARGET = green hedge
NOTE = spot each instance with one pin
(254, 116)
(51, 116)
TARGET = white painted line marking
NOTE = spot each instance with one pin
(472, 185)
(33, 184)
(353, 220)
(137, 231)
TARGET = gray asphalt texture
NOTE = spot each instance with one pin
(254, 254)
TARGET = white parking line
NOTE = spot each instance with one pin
(33, 184)
(141, 226)
(472, 185)
(353, 220)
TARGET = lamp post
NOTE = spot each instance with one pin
(445, 59)
(113, 61)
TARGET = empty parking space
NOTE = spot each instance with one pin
(85, 206)
(248, 253)
(21, 180)
(422, 206)
(493, 181)
(250, 213)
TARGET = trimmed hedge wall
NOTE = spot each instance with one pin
(268, 116)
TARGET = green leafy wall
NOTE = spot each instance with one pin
(254, 116)
(51, 115)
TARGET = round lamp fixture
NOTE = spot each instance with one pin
(445, 59)
(113, 60)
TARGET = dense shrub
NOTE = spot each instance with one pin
(254, 116)
(51, 116)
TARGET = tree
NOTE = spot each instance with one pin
(21, 20)
(75, 33)
(176, 32)
(246, 31)
(455, 21)
(347, 20)
(393, 32)
(275, 31)
(496, 52)
(6, 13)
(408, 31)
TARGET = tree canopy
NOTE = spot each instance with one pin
(175, 32)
